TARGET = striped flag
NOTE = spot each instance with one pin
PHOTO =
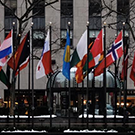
(6, 47)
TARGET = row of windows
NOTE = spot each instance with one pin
(95, 8)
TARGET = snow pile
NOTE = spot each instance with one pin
(25, 116)
(26, 131)
(87, 131)
(99, 116)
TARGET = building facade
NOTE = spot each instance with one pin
(77, 12)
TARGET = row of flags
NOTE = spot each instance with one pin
(95, 60)
(20, 59)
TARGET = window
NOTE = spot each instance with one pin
(122, 8)
(9, 17)
(67, 8)
(95, 8)
(66, 16)
(12, 4)
(39, 24)
(38, 38)
(39, 16)
(39, 9)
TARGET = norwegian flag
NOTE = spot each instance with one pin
(113, 54)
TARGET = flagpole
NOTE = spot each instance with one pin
(115, 92)
(125, 80)
(18, 94)
(29, 84)
(8, 75)
(18, 90)
(32, 77)
(82, 102)
(104, 75)
(93, 96)
(50, 95)
(87, 92)
(69, 94)
(13, 88)
(8, 102)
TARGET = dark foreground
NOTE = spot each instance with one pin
(60, 124)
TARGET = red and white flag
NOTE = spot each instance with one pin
(132, 73)
(21, 56)
(44, 65)
(125, 67)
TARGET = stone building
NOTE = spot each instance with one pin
(77, 12)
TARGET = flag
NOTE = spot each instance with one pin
(21, 56)
(79, 57)
(44, 65)
(113, 54)
(80, 50)
(94, 56)
(6, 46)
(95, 51)
(79, 72)
(125, 66)
(66, 59)
(3, 61)
(132, 73)
(4, 79)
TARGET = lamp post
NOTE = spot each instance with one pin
(104, 75)
(13, 81)
(32, 107)
(50, 92)
(87, 91)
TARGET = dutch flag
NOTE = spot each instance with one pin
(6, 47)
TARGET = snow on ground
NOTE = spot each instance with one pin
(54, 116)
(101, 116)
(20, 131)
(65, 131)
(86, 130)
(24, 116)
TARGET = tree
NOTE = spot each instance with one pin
(22, 21)
(123, 10)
